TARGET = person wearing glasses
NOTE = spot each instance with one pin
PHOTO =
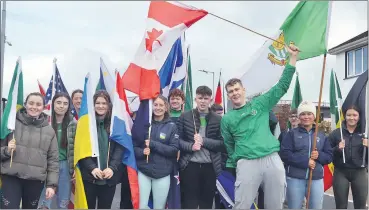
(294, 123)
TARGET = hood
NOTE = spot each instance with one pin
(23, 117)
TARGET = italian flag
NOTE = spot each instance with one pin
(15, 101)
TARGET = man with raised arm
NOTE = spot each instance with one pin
(252, 149)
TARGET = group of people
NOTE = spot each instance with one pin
(203, 143)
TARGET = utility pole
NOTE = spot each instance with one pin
(209, 72)
(2, 51)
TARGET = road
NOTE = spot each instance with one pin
(328, 202)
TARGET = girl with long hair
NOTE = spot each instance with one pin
(100, 182)
(64, 126)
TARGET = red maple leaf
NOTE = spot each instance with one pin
(153, 35)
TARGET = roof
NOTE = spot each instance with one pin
(362, 38)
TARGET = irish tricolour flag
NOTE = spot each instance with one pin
(15, 101)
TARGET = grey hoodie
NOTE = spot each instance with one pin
(36, 156)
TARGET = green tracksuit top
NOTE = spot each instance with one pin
(246, 130)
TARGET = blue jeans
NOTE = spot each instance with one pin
(64, 188)
(297, 191)
(160, 189)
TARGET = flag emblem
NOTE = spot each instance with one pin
(278, 54)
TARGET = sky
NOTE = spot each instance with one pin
(79, 33)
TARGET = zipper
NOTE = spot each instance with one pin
(307, 171)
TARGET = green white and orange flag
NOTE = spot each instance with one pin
(335, 101)
(15, 101)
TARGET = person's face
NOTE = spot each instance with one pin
(61, 105)
(175, 102)
(34, 106)
(352, 117)
(219, 112)
(294, 120)
(237, 94)
(101, 106)
(202, 102)
(159, 107)
(76, 100)
(306, 119)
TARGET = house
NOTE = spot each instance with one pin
(351, 60)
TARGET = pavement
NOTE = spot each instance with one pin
(328, 202)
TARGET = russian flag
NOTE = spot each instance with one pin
(120, 131)
(166, 22)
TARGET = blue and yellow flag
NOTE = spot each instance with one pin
(86, 142)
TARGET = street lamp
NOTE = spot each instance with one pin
(209, 72)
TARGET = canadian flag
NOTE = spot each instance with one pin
(166, 21)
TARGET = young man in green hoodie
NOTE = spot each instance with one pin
(251, 147)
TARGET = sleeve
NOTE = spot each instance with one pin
(325, 156)
(167, 150)
(289, 156)
(88, 164)
(334, 140)
(183, 145)
(228, 142)
(268, 100)
(71, 136)
(138, 150)
(216, 145)
(52, 178)
(5, 155)
(116, 157)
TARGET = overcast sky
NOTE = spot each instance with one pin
(78, 33)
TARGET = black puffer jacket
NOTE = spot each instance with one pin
(213, 141)
(115, 163)
(353, 148)
(163, 150)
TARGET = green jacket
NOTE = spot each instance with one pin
(71, 133)
(246, 130)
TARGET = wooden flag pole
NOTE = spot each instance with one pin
(11, 153)
(147, 156)
(316, 129)
(107, 160)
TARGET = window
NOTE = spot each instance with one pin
(356, 62)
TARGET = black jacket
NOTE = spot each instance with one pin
(353, 148)
(213, 141)
(115, 163)
(163, 150)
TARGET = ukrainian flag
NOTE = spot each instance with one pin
(85, 143)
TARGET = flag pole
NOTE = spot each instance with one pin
(367, 120)
(316, 129)
(12, 152)
(2, 50)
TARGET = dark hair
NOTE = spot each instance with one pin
(104, 94)
(166, 114)
(216, 107)
(76, 91)
(293, 111)
(232, 82)
(66, 118)
(35, 94)
(176, 92)
(354, 107)
(204, 90)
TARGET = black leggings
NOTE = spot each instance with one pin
(359, 187)
(103, 193)
(15, 189)
(125, 191)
